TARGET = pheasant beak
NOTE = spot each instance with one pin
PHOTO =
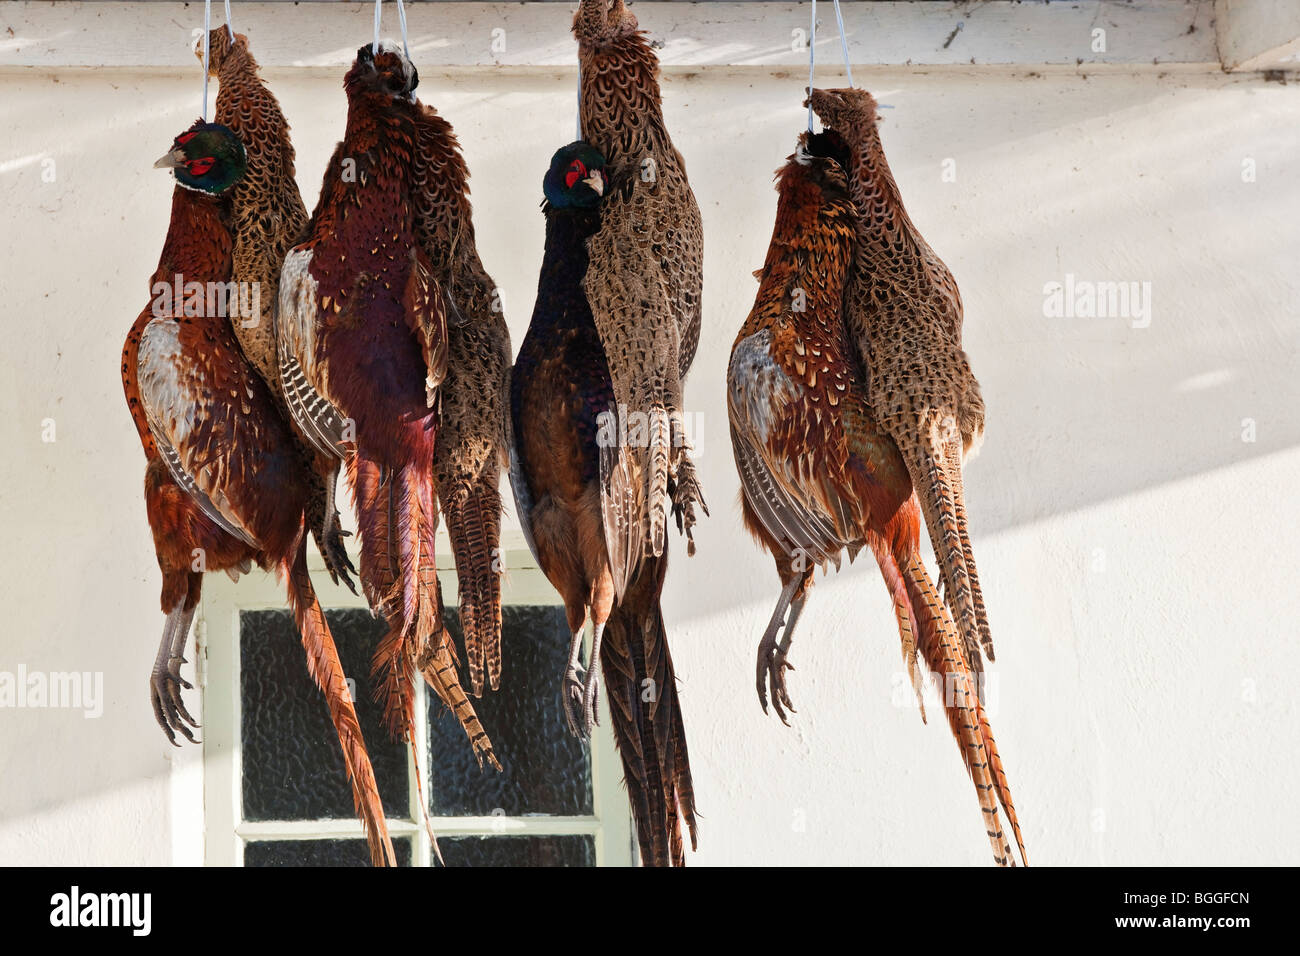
(170, 160)
(597, 182)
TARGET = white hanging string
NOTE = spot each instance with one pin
(812, 61)
(844, 42)
(207, 25)
(579, 117)
(812, 52)
(401, 16)
(230, 24)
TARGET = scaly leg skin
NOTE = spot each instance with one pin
(686, 490)
(772, 658)
(323, 516)
(165, 681)
(572, 689)
(591, 690)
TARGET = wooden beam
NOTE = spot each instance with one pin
(1145, 34)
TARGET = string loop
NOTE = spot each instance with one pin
(401, 17)
(207, 26)
(812, 53)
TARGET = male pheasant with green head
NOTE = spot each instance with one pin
(225, 485)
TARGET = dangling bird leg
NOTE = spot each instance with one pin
(685, 489)
(591, 690)
(572, 689)
(772, 662)
(328, 533)
(165, 681)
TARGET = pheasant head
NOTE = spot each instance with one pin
(598, 22)
(385, 73)
(221, 49)
(848, 112)
(577, 177)
(207, 157)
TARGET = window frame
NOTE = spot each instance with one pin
(217, 635)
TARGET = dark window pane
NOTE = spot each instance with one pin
(544, 768)
(318, 853)
(518, 851)
(293, 769)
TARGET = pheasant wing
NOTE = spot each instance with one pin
(759, 395)
(190, 429)
(317, 417)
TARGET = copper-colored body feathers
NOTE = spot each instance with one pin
(225, 486)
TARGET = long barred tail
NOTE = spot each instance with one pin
(938, 643)
(647, 720)
(473, 514)
(939, 505)
(437, 662)
(326, 670)
(388, 508)
(387, 516)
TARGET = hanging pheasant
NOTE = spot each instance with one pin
(904, 315)
(362, 338)
(471, 446)
(559, 386)
(224, 487)
(819, 476)
(267, 218)
(643, 284)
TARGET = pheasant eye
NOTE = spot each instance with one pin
(576, 171)
(199, 167)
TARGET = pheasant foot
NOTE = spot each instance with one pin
(165, 681)
(773, 657)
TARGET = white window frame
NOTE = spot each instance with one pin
(217, 651)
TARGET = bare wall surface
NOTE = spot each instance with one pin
(1133, 508)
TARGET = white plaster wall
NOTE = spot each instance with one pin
(1138, 556)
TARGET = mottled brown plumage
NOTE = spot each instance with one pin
(819, 476)
(225, 486)
(471, 447)
(644, 284)
(267, 217)
(905, 315)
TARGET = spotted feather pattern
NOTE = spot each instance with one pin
(646, 265)
(471, 448)
(905, 315)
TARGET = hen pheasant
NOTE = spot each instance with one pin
(643, 284)
(471, 446)
(819, 476)
(267, 218)
(905, 315)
